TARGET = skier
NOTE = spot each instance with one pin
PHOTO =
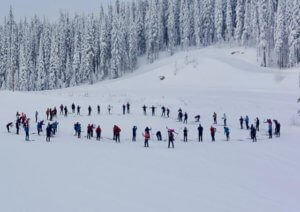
(134, 129)
(54, 111)
(197, 118)
(109, 108)
(73, 108)
(227, 133)
(171, 137)
(128, 107)
(185, 134)
(168, 112)
(66, 111)
(117, 131)
(213, 133)
(54, 127)
(242, 122)
(124, 109)
(89, 133)
(40, 127)
(78, 110)
(26, 129)
(215, 117)
(51, 114)
(48, 132)
(253, 133)
(224, 119)
(180, 115)
(185, 118)
(98, 133)
(247, 122)
(36, 116)
(61, 109)
(200, 133)
(153, 110)
(158, 136)
(8, 126)
(163, 111)
(277, 128)
(145, 110)
(89, 110)
(257, 124)
(147, 137)
(98, 109)
(78, 130)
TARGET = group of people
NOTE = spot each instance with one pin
(165, 112)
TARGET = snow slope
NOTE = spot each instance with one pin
(69, 174)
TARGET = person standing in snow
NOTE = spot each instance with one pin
(73, 108)
(98, 109)
(40, 127)
(8, 126)
(163, 111)
(227, 133)
(78, 110)
(89, 110)
(171, 137)
(277, 128)
(66, 111)
(247, 122)
(117, 131)
(242, 122)
(109, 108)
(26, 129)
(18, 122)
(224, 119)
(253, 133)
(158, 136)
(185, 118)
(257, 124)
(47, 113)
(197, 118)
(145, 110)
(200, 133)
(153, 110)
(185, 134)
(48, 132)
(61, 109)
(128, 107)
(124, 109)
(213, 133)
(270, 130)
(180, 115)
(98, 133)
(168, 112)
(215, 117)
(134, 129)
(147, 137)
(36, 116)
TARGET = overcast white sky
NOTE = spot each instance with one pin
(48, 8)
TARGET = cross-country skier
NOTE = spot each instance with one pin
(89, 131)
(168, 112)
(185, 118)
(257, 124)
(26, 129)
(134, 129)
(78, 110)
(227, 133)
(147, 129)
(269, 122)
(247, 122)
(200, 133)
(47, 113)
(147, 137)
(98, 133)
(54, 127)
(242, 122)
(73, 108)
(8, 126)
(213, 133)
(128, 107)
(145, 110)
(180, 115)
(153, 110)
(197, 118)
(253, 133)
(40, 127)
(124, 109)
(66, 111)
(89, 110)
(158, 136)
(18, 122)
(215, 117)
(185, 134)
(117, 131)
(171, 137)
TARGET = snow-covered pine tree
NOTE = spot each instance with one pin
(263, 47)
(171, 27)
(240, 15)
(281, 39)
(219, 22)
(54, 63)
(247, 24)
(184, 24)
(294, 37)
(41, 71)
(229, 21)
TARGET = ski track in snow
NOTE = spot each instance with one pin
(70, 174)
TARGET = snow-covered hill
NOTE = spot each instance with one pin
(70, 174)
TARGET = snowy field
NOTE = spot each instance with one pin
(70, 174)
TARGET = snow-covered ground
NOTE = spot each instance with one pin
(70, 174)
